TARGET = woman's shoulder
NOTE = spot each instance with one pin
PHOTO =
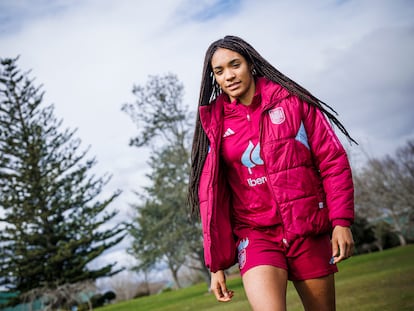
(214, 105)
(212, 113)
(271, 91)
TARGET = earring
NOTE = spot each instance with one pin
(253, 72)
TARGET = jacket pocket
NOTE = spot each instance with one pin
(305, 216)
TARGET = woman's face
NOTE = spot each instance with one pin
(234, 75)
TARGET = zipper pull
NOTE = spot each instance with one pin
(248, 117)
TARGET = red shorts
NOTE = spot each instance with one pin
(305, 258)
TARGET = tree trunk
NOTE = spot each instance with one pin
(174, 273)
(402, 239)
(379, 245)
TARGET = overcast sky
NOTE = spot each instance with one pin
(356, 55)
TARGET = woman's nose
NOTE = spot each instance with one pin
(230, 75)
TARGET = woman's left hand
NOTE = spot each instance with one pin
(342, 243)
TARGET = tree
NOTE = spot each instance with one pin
(51, 216)
(384, 190)
(162, 230)
(124, 285)
(65, 295)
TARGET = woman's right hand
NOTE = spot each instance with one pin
(219, 288)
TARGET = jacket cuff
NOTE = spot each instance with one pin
(341, 222)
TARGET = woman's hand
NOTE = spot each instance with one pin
(219, 288)
(342, 243)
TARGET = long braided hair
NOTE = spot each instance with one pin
(210, 90)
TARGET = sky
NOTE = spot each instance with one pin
(356, 55)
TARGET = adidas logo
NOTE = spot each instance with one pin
(228, 132)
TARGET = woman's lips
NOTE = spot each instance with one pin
(233, 86)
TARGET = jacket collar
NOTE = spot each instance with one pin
(267, 94)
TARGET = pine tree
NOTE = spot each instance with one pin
(51, 217)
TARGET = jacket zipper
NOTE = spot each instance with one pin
(262, 116)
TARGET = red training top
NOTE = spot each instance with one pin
(253, 204)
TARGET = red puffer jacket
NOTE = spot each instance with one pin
(307, 170)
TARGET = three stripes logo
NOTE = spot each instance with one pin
(228, 132)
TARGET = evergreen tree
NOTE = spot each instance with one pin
(162, 230)
(52, 220)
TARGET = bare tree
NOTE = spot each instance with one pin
(124, 285)
(66, 295)
(384, 190)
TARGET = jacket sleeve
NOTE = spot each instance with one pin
(332, 162)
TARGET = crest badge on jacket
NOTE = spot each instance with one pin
(277, 115)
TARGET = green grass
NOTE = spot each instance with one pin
(377, 281)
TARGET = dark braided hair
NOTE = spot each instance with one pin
(210, 90)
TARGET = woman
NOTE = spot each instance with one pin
(271, 180)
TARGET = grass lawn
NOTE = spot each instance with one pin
(377, 281)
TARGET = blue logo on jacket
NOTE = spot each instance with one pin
(251, 156)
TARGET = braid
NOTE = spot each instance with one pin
(276, 76)
(210, 90)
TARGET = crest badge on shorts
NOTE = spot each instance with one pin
(277, 115)
(242, 252)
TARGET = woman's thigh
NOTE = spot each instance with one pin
(317, 294)
(265, 288)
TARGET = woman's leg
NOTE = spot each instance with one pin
(317, 294)
(265, 288)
